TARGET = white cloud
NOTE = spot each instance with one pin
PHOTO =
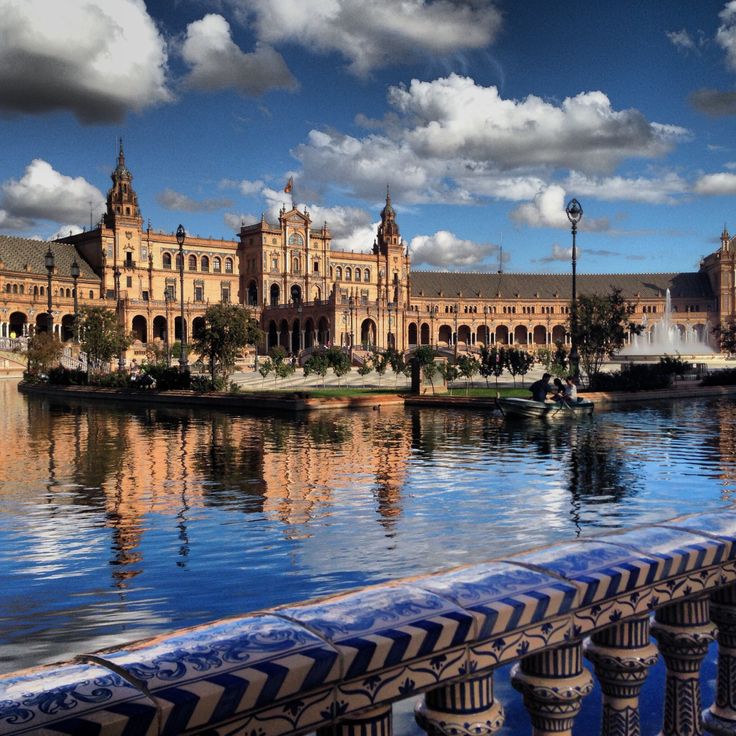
(445, 250)
(248, 187)
(619, 188)
(43, 193)
(681, 40)
(234, 220)
(218, 63)
(547, 209)
(454, 141)
(173, 200)
(64, 231)
(98, 60)
(715, 184)
(726, 34)
(381, 33)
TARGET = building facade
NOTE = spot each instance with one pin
(305, 294)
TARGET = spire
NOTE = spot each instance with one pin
(388, 230)
(122, 201)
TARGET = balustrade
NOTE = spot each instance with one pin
(337, 665)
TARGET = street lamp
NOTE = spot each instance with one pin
(391, 340)
(75, 276)
(574, 213)
(180, 237)
(301, 331)
(454, 309)
(49, 262)
(352, 307)
(167, 300)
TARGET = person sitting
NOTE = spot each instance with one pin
(541, 388)
(559, 390)
(571, 391)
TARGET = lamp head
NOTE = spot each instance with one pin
(180, 235)
(75, 271)
(49, 260)
(574, 211)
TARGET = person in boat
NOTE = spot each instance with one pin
(558, 390)
(541, 388)
(570, 391)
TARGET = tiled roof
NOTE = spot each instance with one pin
(429, 284)
(27, 255)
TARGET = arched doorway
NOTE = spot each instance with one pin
(42, 322)
(296, 337)
(284, 334)
(368, 334)
(413, 332)
(558, 335)
(274, 295)
(502, 335)
(177, 328)
(309, 336)
(445, 335)
(424, 332)
(323, 331)
(197, 327)
(539, 335)
(463, 334)
(296, 294)
(159, 328)
(273, 335)
(140, 328)
(18, 324)
(67, 327)
(520, 335)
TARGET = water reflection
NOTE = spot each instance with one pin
(116, 522)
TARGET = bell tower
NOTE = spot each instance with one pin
(122, 202)
(388, 231)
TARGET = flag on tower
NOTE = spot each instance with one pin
(289, 185)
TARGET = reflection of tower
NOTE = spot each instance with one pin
(393, 439)
(725, 445)
(182, 515)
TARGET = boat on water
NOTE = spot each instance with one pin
(528, 408)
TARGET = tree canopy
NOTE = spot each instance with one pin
(102, 336)
(228, 328)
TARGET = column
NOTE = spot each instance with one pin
(683, 631)
(377, 722)
(622, 655)
(553, 683)
(720, 718)
(460, 709)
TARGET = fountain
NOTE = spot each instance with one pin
(666, 338)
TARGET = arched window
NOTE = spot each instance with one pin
(367, 275)
(216, 265)
(22, 289)
(167, 260)
(338, 273)
(357, 274)
(296, 239)
(192, 264)
(178, 261)
(348, 274)
(296, 265)
(228, 265)
(205, 263)
(91, 294)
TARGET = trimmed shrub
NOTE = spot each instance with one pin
(720, 378)
(633, 377)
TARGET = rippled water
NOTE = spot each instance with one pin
(117, 522)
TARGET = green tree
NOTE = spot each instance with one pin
(44, 352)
(425, 356)
(317, 364)
(380, 363)
(727, 337)
(102, 337)
(397, 362)
(518, 363)
(468, 366)
(601, 327)
(228, 328)
(448, 371)
(339, 361)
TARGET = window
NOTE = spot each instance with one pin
(316, 267)
(228, 265)
(357, 274)
(216, 265)
(205, 263)
(225, 292)
(348, 274)
(128, 258)
(296, 265)
(179, 262)
(91, 294)
(167, 260)
(129, 282)
(192, 263)
(367, 274)
(274, 263)
(338, 273)
(198, 293)
(296, 239)
(145, 296)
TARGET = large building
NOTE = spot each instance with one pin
(304, 293)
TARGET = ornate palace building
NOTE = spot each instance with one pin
(305, 294)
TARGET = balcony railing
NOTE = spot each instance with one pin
(341, 662)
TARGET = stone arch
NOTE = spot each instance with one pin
(316, 294)
(463, 334)
(323, 331)
(539, 335)
(252, 294)
(67, 327)
(159, 328)
(296, 294)
(273, 335)
(198, 326)
(445, 335)
(140, 328)
(558, 334)
(18, 324)
(274, 295)
(425, 334)
(309, 336)
(413, 333)
(521, 335)
(502, 335)
(284, 334)
(177, 328)
(368, 332)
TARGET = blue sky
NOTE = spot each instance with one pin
(485, 117)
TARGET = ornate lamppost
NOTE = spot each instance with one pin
(353, 308)
(75, 271)
(574, 213)
(180, 237)
(391, 339)
(455, 310)
(49, 262)
(167, 301)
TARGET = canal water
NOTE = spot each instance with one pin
(117, 522)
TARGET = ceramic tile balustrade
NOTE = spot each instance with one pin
(302, 667)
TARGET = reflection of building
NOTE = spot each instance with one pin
(305, 293)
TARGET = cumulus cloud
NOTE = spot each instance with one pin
(654, 190)
(714, 102)
(115, 64)
(558, 253)
(726, 34)
(547, 209)
(681, 40)
(382, 33)
(715, 184)
(217, 62)
(455, 141)
(42, 193)
(445, 250)
(234, 220)
(173, 200)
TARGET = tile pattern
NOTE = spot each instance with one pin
(301, 667)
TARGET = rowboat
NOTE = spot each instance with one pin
(527, 408)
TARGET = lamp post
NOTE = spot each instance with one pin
(49, 263)
(352, 307)
(167, 300)
(574, 213)
(75, 271)
(301, 332)
(180, 237)
(454, 309)
(485, 325)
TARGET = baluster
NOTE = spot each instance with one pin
(720, 718)
(461, 709)
(683, 631)
(377, 722)
(553, 683)
(622, 655)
